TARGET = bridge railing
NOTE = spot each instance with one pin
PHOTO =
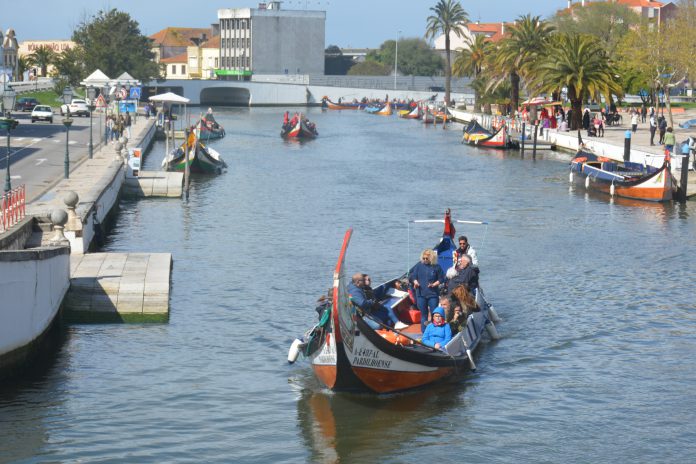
(12, 207)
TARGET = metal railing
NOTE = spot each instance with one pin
(12, 207)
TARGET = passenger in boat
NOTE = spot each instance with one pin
(464, 249)
(426, 277)
(324, 302)
(210, 119)
(463, 273)
(371, 306)
(437, 334)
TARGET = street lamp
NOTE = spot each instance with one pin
(8, 101)
(91, 94)
(396, 57)
(67, 122)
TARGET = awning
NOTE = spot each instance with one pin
(169, 97)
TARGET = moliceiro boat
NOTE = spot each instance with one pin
(623, 178)
(298, 128)
(201, 158)
(326, 103)
(475, 134)
(209, 127)
(385, 110)
(346, 353)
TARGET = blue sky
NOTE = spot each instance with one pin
(349, 23)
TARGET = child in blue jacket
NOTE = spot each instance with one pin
(438, 333)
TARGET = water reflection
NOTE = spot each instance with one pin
(368, 428)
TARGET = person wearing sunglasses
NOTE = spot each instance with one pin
(437, 334)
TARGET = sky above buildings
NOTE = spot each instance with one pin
(349, 23)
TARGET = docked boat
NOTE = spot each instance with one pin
(475, 134)
(202, 159)
(299, 128)
(328, 104)
(414, 113)
(623, 178)
(385, 110)
(347, 354)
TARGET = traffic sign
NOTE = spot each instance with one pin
(134, 93)
(101, 103)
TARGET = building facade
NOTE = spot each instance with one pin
(28, 47)
(268, 40)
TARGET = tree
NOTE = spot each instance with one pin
(579, 63)
(608, 21)
(22, 66)
(42, 57)
(334, 61)
(470, 62)
(70, 64)
(369, 68)
(448, 16)
(416, 58)
(111, 41)
(517, 54)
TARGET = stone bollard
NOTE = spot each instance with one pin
(117, 147)
(71, 199)
(58, 218)
(124, 150)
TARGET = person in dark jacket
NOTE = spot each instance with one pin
(463, 274)
(586, 119)
(371, 306)
(437, 334)
(426, 277)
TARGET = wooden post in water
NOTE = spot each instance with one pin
(627, 146)
(187, 169)
(524, 136)
(684, 174)
(536, 128)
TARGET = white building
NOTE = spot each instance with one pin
(268, 40)
(9, 57)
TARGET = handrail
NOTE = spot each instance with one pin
(12, 207)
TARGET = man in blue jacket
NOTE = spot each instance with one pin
(372, 307)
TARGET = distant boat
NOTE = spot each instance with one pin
(623, 178)
(202, 159)
(415, 113)
(381, 110)
(326, 103)
(210, 129)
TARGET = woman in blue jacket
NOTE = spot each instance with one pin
(426, 276)
(437, 334)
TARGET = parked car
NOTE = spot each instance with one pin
(25, 104)
(42, 113)
(77, 107)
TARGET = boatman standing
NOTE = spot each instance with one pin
(464, 249)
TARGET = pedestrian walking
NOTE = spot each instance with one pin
(634, 121)
(643, 113)
(653, 128)
(127, 124)
(662, 127)
(109, 128)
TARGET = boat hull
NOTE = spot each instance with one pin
(626, 180)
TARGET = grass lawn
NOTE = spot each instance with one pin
(45, 97)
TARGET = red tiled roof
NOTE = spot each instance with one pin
(182, 58)
(214, 42)
(494, 31)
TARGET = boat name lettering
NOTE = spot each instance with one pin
(371, 362)
(367, 353)
(326, 359)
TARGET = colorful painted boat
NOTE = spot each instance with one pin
(353, 356)
(384, 110)
(623, 178)
(326, 103)
(210, 129)
(415, 113)
(302, 129)
(202, 159)
(475, 134)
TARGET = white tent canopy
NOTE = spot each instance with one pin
(124, 79)
(96, 79)
(169, 97)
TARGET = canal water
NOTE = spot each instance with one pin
(595, 363)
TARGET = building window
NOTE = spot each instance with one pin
(183, 69)
(216, 63)
(173, 69)
(248, 42)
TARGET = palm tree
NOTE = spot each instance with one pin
(448, 16)
(517, 54)
(470, 62)
(42, 57)
(579, 63)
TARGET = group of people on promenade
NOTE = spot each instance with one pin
(445, 300)
(116, 126)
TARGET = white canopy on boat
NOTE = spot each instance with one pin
(169, 97)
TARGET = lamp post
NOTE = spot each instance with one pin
(91, 93)
(396, 56)
(67, 122)
(8, 101)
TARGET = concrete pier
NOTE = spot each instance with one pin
(118, 287)
(155, 184)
